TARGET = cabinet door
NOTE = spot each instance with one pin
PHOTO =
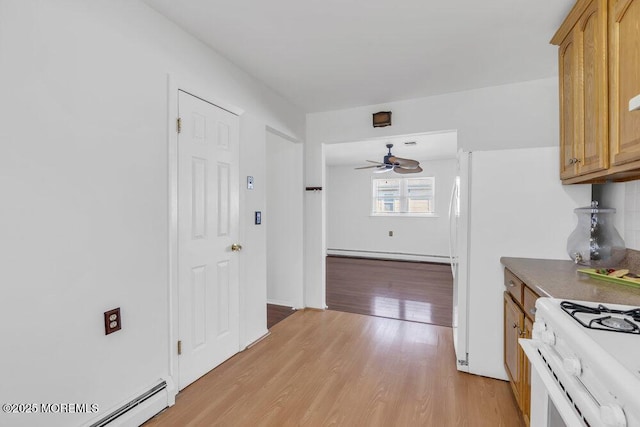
(584, 144)
(526, 375)
(513, 325)
(569, 102)
(592, 149)
(625, 80)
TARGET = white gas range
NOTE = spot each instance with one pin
(585, 364)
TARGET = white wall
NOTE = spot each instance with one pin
(284, 222)
(253, 260)
(508, 116)
(629, 209)
(351, 227)
(83, 178)
(625, 198)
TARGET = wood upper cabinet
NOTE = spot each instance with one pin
(599, 72)
(583, 91)
(624, 42)
(569, 103)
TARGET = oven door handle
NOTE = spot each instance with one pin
(581, 398)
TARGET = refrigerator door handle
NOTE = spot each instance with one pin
(452, 225)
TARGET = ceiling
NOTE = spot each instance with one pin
(333, 54)
(429, 146)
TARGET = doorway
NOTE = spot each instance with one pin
(284, 223)
(384, 257)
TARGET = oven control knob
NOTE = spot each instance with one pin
(538, 328)
(612, 415)
(572, 366)
(548, 337)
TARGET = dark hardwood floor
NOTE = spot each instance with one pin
(414, 291)
(277, 313)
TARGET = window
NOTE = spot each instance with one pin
(404, 196)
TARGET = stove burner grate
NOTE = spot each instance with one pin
(606, 322)
(616, 323)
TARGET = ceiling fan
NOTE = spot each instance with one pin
(395, 164)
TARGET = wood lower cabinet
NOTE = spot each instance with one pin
(526, 382)
(519, 310)
(513, 327)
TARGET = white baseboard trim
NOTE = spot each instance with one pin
(400, 256)
(282, 303)
(256, 341)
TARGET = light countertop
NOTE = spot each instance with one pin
(559, 279)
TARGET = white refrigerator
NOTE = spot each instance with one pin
(505, 203)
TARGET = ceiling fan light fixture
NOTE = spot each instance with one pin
(395, 164)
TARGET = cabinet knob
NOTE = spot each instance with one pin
(574, 160)
(511, 284)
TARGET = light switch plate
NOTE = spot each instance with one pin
(258, 218)
(634, 103)
(249, 183)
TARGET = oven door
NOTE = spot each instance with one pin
(557, 400)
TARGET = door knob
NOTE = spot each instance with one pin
(236, 247)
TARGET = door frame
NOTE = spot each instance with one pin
(199, 90)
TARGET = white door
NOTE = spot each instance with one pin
(207, 229)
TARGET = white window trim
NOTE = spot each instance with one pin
(433, 214)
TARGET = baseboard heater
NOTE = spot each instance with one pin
(154, 399)
(402, 256)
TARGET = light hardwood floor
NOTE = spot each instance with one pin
(320, 368)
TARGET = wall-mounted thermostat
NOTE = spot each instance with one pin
(249, 183)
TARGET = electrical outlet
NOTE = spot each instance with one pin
(390, 233)
(249, 183)
(112, 321)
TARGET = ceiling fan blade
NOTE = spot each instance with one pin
(405, 163)
(401, 170)
(383, 170)
(367, 167)
(373, 161)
